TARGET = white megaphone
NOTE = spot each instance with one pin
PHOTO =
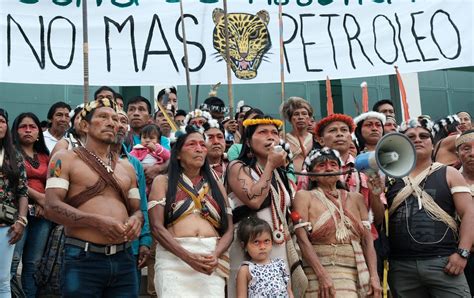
(394, 155)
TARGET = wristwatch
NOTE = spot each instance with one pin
(464, 253)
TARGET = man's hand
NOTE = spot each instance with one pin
(375, 289)
(326, 286)
(16, 231)
(455, 265)
(375, 184)
(133, 226)
(39, 211)
(200, 263)
(143, 255)
(112, 228)
(276, 159)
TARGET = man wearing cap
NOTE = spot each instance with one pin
(428, 247)
(465, 151)
(94, 195)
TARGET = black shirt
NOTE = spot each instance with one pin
(412, 233)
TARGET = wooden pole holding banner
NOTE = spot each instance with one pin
(186, 60)
(282, 58)
(85, 51)
(230, 94)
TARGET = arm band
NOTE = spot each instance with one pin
(366, 224)
(228, 210)
(458, 189)
(55, 182)
(152, 204)
(134, 194)
(302, 225)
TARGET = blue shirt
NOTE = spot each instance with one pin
(145, 235)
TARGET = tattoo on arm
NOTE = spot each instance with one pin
(66, 213)
(55, 168)
(246, 188)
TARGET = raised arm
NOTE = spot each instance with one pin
(251, 192)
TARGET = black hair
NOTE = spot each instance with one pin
(72, 129)
(105, 88)
(55, 106)
(118, 95)
(40, 145)
(180, 113)
(207, 126)
(137, 99)
(376, 106)
(163, 91)
(248, 158)
(151, 129)
(214, 101)
(253, 111)
(445, 129)
(44, 123)
(250, 228)
(174, 172)
(10, 166)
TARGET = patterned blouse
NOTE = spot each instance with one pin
(6, 189)
(268, 280)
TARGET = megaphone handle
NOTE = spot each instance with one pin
(372, 177)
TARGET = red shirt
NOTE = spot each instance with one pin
(37, 177)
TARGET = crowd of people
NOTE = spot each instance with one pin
(219, 205)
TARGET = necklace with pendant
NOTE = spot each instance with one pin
(108, 167)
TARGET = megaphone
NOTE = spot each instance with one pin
(394, 155)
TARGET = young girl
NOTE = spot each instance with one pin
(150, 152)
(261, 276)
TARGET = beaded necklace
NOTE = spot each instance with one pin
(108, 166)
(277, 200)
(33, 161)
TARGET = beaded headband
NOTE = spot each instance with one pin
(214, 108)
(315, 153)
(264, 121)
(445, 121)
(195, 114)
(414, 123)
(98, 103)
(464, 138)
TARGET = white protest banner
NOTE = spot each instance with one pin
(138, 42)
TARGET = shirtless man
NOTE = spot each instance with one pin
(465, 151)
(334, 234)
(95, 196)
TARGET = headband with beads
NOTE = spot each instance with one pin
(195, 114)
(98, 103)
(445, 121)
(315, 153)
(414, 123)
(265, 121)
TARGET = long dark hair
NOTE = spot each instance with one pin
(249, 159)
(39, 146)
(174, 172)
(10, 167)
